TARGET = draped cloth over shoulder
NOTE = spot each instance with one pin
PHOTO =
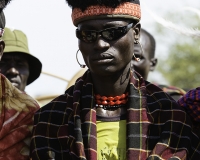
(191, 103)
(157, 128)
(16, 121)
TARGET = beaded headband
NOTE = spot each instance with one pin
(126, 10)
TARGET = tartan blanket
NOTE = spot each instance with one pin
(157, 128)
(16, 121)
(191, 103)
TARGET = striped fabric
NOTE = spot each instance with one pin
(128, 9)
(157, 128)
(172, 90)
(16, 121)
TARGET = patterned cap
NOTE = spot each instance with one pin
(101, 9)
(191, 103)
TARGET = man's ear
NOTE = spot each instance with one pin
(137, 28)
(153, 64)
(2, 46)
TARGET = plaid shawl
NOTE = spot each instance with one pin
(16, 121)
(172, 90)
(191, 103)
(157, 128)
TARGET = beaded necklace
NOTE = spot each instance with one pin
(108, 103)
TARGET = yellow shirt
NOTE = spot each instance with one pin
(111, 140)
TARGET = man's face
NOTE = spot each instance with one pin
(16, 68)
(106, 57)
(146, 63)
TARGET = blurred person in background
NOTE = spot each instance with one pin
(17, 64)
(145, 51)
(111, 112)
(16, 112)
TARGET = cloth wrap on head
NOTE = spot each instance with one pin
(126, 10)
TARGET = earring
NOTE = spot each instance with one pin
(81, 65)
(137, 42)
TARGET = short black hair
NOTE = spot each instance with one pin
(2, 20)
(152, 42)
(83, 4)
(3, 4)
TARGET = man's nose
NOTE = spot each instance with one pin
(100, 44)
(13, 70)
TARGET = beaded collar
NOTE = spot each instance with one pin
(108, 103)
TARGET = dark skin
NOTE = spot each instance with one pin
(147, 62)
(2, 44)
(16, 68)
(109, 61)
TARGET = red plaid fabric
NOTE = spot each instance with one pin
(16, 121)
(157, 128)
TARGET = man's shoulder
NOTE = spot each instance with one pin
(58, 103)
(155, 91)
(157, 99)
(56, 110)
(191, 103)
(14, 98)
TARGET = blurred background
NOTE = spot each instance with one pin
(51, 38)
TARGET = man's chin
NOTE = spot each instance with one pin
(15, 84)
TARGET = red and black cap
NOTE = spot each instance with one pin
(92, 9)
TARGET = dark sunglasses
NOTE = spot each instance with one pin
(109, 34)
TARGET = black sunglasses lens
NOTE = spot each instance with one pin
(114, 33)
(86, 36)
(108, 34)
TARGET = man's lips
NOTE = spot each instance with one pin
(14, 82)
(103, 57)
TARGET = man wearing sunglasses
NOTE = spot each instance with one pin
(16, 112)
(111, 112)
(109, 34)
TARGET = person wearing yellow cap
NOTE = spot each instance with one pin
(111, 112)
(17, 64)
(16, 112)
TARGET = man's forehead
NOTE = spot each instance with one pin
(15, 56)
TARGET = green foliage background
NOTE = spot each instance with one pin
(181, 67)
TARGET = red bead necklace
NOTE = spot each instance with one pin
(117, 101)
